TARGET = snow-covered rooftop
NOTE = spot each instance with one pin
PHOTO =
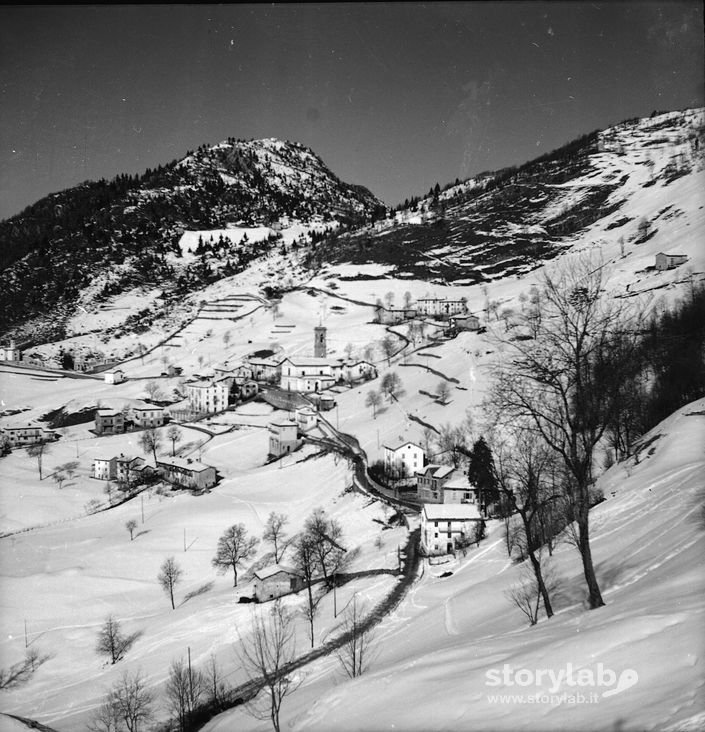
(451, 511)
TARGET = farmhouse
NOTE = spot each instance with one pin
(465, 322)
(104, 468)
(404, 460)
(430, 482)
(283, 437)
(187, 473)
(114, 376)
(441, 307)
(109, 422)
(208, 397)
(353, 371)
(275, 581)
(392, 316)
(446, 526)
(147, 416)
(27, 433)
(669, 261)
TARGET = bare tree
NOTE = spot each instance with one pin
(59, 479)
(184, 689)
(266, 655)
(565, 378)
(348, 351)
(428, 437)
(527, 595)
(523, 471)
(107, 717)
(391, 385)
(442, 391)
(169, 576)
(131, 525)
(234, 547)
(274, 533)
(174, 434)
(407, 299)
(373, 399)
(20, 672)
(305, 560)
(388, 344)
(133, 701)
(213, 681)
(69, 468)
(111, 640)
(153, 390)
(325, 534)
(452, 444)
(38, 450)
(150, 441)
(368, 352)
(389, 299)
(355, 652)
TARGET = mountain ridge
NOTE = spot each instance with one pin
(236, 198)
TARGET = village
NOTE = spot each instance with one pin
(302, 390)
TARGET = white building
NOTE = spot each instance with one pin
(148, 416)
(104, 468)
(10, 353)
(114, 376)
(187, 473)
(431, 481)
(441, 306)
(27, 433)
(306, 374)
(669, 261)
(352, 371)
(403, 461)
(458, 489)
(306, 418)
(446, 526)
(283, 437)
(208, 397)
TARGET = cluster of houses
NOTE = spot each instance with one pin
(117, 421)
(129, 471)
(451, 506)
(286, 435)
(302, 374)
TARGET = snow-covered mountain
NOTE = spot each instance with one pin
(509, 222)
(131, 226)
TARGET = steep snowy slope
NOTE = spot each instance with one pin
(459, 656)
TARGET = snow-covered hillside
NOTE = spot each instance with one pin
(63, 571)
(439, 657)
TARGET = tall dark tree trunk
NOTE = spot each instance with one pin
(594, 595)
(536, 565)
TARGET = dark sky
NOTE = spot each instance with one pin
(395, 96)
